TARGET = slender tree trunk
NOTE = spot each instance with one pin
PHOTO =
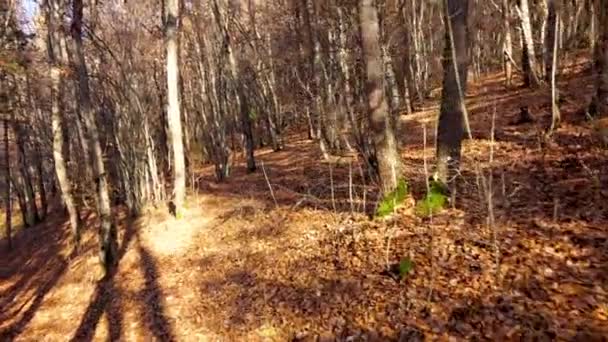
(41, 185)
(381, 122)
(452, 112)
(507, 43)
(23, 207)
(550, 37)
(406, 62)
(58, 147)
(239, 89)
(9, 196)
(173, 108)
(553, 21)
(107, 232)
(26, 176)
(528, 56)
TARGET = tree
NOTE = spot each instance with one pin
(57, 128)
(107, 232)
(528, 57)
(507, 42)
(9, 199)
(452, 112)
(599, 104)
(551, 35)
(380, 120)
(551, 65)
(173, 107)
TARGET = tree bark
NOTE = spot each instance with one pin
(107, 232)
(455, 63)
(528, 57)
(173, 108)
(507, 43)
(239, 89)
(599, 104)
(380, 120)
(9, 197)
(550, 37)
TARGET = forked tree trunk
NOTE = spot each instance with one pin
(451, 117)
(107, 232)
(380, 120)
(173, 108)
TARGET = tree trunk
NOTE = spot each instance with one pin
(528, 57)
(550, 37)
(507, 43)
(239, 89)
(26, 176)
(9, 197)
(553, 21)
(452, 112)
(599, 104)
(380, 120)
(107, 232)
(58, 146)
(173, 108)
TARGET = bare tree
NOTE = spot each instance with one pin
(8, 197)
(528, 57)
(61, 171)
(507, 42)
(107, 232)
(452, 112)
(599, 104)
(381, 122)
(173, 107)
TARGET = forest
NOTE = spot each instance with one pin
(303, 170)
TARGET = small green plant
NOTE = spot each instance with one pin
(406, 265)
(253, 115)
(392, 200)
(434, 201)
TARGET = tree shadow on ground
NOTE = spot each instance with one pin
(38, 270)
(152, 298)
(107, 297)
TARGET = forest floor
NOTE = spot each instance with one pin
(308, 266)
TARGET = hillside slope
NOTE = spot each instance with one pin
(301, 263)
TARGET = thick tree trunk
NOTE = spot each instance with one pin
(107, 232)
(173, 108)
(455, 63)
(380, 120)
